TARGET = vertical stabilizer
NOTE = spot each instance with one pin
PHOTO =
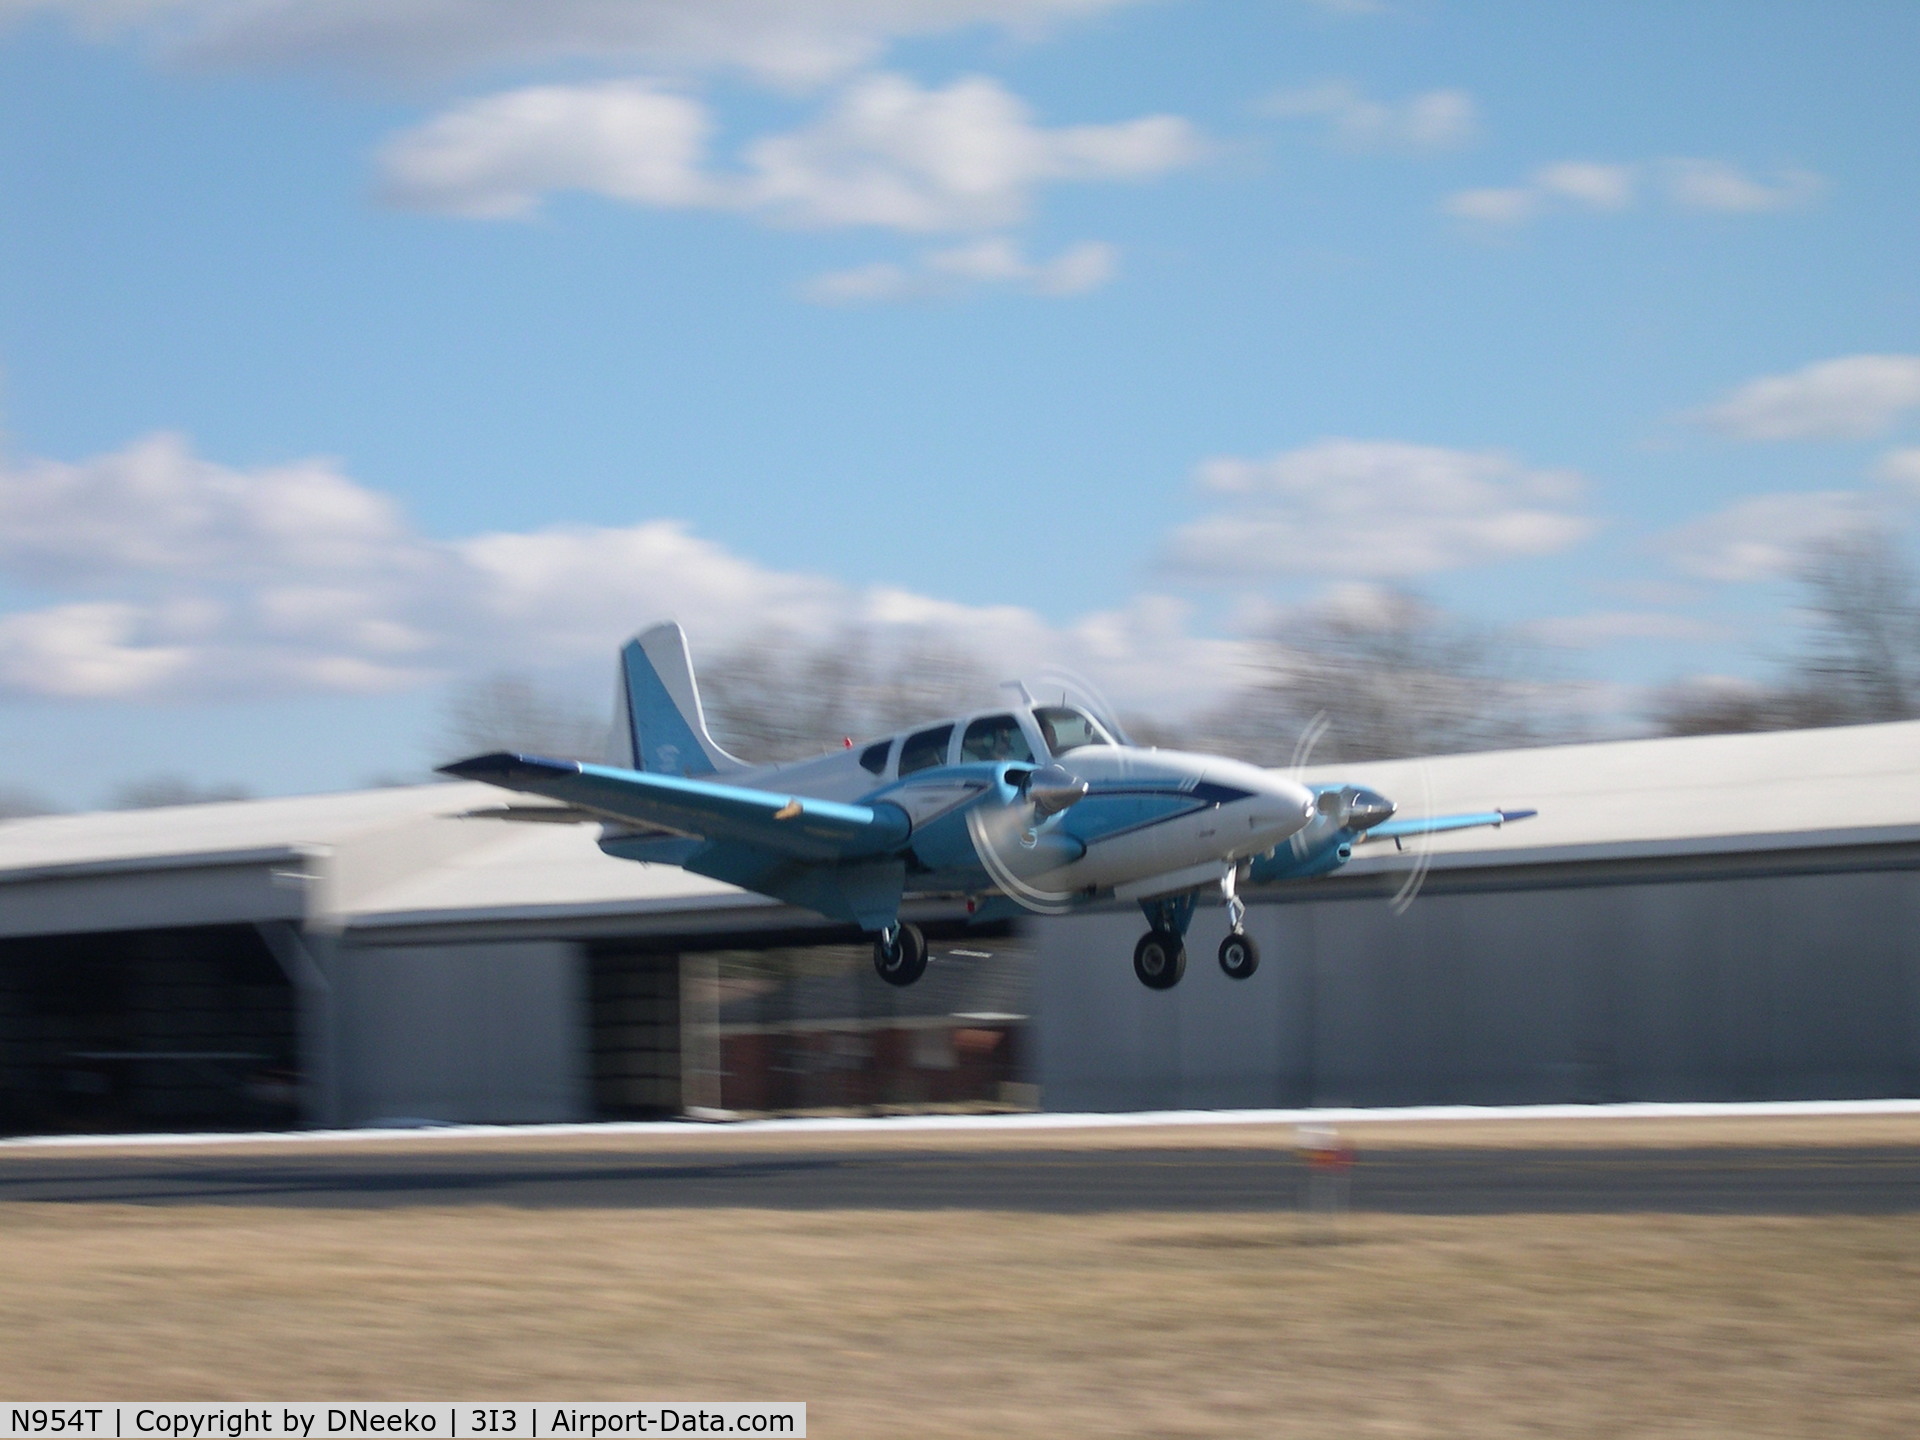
(658, 724)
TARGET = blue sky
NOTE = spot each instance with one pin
(351, 349)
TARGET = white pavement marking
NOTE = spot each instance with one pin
(899, 1124)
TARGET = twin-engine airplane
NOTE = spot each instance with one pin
(1026, 806)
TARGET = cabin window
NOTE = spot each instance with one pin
(874, 757)
(995, 737)
(925, 750)
(1066, 728)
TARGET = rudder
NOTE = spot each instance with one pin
(659, 726)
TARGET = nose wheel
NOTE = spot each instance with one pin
(1239, 956)
(900, 954)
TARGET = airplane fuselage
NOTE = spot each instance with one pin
(1146, 815)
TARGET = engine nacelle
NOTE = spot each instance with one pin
(1320, 850)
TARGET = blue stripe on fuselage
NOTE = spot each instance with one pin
(1203, 796)
(1217, 794)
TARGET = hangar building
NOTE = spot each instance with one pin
(1730, 917)
(1714, 918)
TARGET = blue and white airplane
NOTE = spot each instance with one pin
(1018, 807)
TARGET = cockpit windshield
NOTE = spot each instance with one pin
(1065, 728)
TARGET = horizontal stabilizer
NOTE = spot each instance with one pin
(534, 814)
(793, 825)
(1436, 824)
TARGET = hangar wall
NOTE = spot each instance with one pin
(1759, 987)
(470, 1032)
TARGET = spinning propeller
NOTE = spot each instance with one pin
(1356, 808)
(1017, 842)
(1409, 890)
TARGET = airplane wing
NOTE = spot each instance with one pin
(1398, 830)
(792, 825)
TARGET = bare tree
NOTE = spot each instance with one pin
(777, 697)
(154, 792)
(1857, 658)
(19, 803)
(1158, 731)
(774, 697)
(507, 712)
(1394, 677)
(1710, 706)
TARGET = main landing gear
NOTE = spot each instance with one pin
(900, 954)
(1160, 959)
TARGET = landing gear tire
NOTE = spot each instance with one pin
(1239, 956)
(901, 959)
(1160, 959)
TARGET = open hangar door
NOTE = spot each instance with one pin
(799, 1023)
(634, 1001)
(190, 1028)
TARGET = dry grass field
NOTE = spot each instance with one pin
(967, 1323)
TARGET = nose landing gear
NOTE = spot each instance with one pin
(900, 954)
(1239, 956)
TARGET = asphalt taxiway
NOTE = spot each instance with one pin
(1751, 1180)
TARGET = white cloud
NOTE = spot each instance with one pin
(87, 651)
(1766, 537)
(1493, 206)
(995, 261)
(887, 153)
(1901, 469)
(573, 586)
(1847, 398)
(497, 157)
(867, 284)
(1579, 184)
(157, 508)
(165, 575)
(1434, 120)
(965, 157)
(1596, 187)
(786, 42)
(1377, 509)
(1716, 185)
